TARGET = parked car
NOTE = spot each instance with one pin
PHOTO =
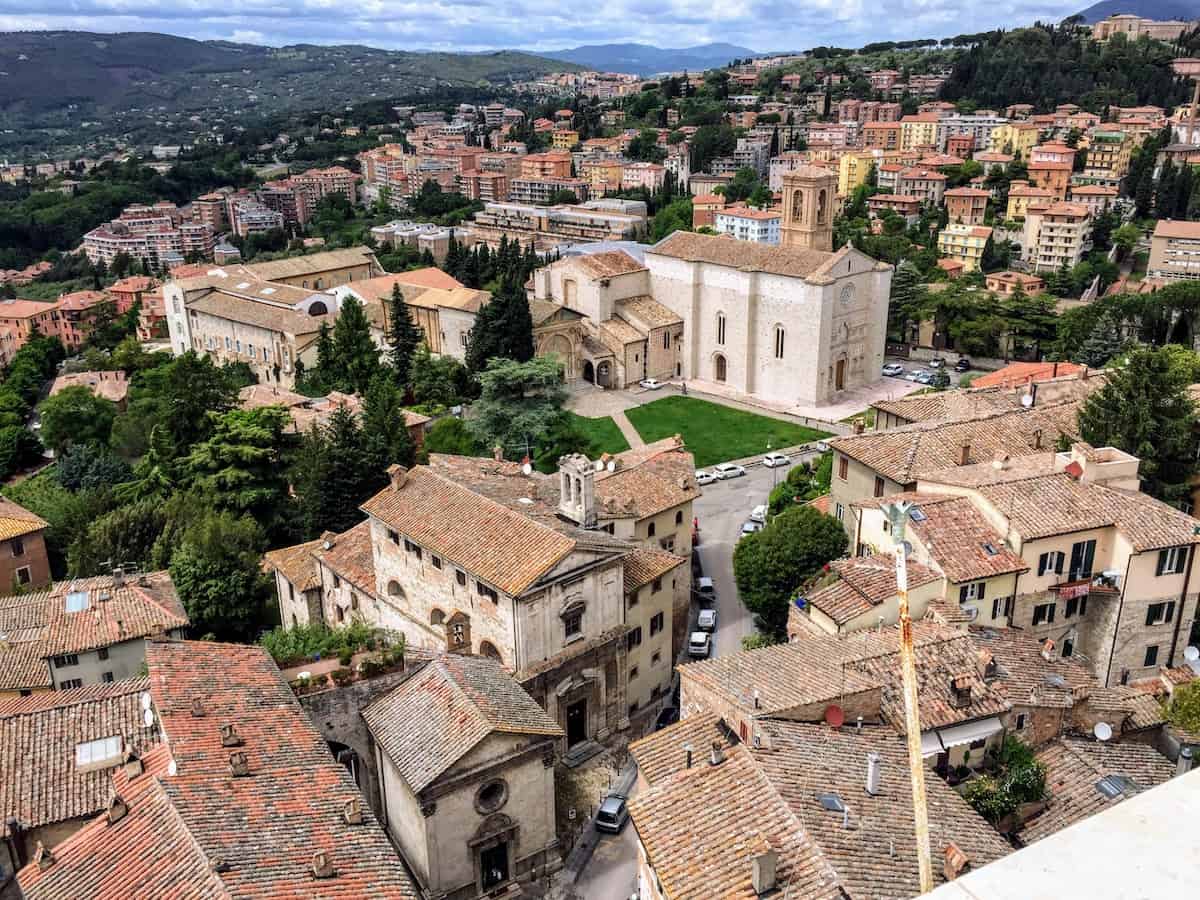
(822, 447)
(925, 378)
(728, 470)
(936, 363)
(612, 814)
(707, 620)
(650, 384)
(668, 716)
(759, 513)
(703, 477)
(913, 375)
(750, 527)
(962, 365)
(699, 644)
(773, 459)
(705, 592)
(893, 369)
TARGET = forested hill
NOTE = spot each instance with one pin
(1049, 65)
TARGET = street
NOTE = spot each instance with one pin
(611, 873)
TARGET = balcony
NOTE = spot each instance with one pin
(1108, 582)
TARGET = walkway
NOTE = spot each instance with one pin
(627, 429)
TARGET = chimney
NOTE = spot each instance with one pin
(874, 773)
(687, 748)
(133, 766)
(964, 454)
(1000, 461)
(352, 811)
(239, 765)
(956, 862)
(1184, 764)
(858, 426)
(42, 857)
(230, 736)
(763, 868)
(397, 475)
(118, 577)
(322, 865)
(717, 756)
(117, 807)
(197, 708)
(16, 841)
(1048, 650)
(1037, 439)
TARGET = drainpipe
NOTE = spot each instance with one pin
(1187, 579)
(1117, 625)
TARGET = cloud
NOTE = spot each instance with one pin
(471, 25)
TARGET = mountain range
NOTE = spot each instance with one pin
(1159, 10)
(646, 59)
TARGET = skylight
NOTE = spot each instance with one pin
(990, 549)
(104, 751)
(916, 514)
(242, 285)
(831, 802)
(77, 601)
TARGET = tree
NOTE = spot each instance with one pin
(773, 564)
(450, 435)
(403, 336)
(1126, 237)
(88, 466)
(503, 329)
(217, 575)
(76, 416)
(385, 436)
(18, 447)
(437, 381)
(1183, 709)
(1144, 409)
(907, 297)
(125, 535)
(350, 478)
(1103, 343)
(519, 404)
(356, 358)
(184, 392)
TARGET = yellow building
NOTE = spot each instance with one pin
(602, 175)
(853, 168)
(1108, 157)
(918, 131)
(1017, 138)
(564, 139)
(964, 243)
(1020, 195)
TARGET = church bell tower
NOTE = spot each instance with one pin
(809, 194)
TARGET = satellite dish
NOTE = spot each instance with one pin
(172, 768)
(599, 467)
(1102, 731)
(146, 700)
(835, 716)
(148, 718)
(612, 465)
(1027, 400)
(527, 469)
(1191, 654)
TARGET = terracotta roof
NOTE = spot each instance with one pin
(743, 255)
(1167, 228)
(111, 386)
(350, 555)
(643, 566)
(1021, 372)
(436, 717)
(1073, 768)
(16, 520)
(38, 624)
(662, 753)
(1027, 678)
(297, 564)
(498, 545)
(647, 480)
(43, 783)
(967, 192)
(195, 830)
(1029, 191)
(648, 310)
(857, 585)
(960, 403)
(903, 454)
(283, 319)
(609, 263)
(313, 263)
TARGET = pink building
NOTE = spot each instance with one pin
(642, 175)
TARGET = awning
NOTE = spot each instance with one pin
(935, 741)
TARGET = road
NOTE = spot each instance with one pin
(611, 873)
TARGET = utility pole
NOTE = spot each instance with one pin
(897, 514)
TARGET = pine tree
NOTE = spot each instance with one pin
(326, 358)
(309, 477)
(349, 479)
(403, 336)
(1103, 344)
(384, 434)
(355, 354)
(516, 323)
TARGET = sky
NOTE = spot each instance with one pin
(470, 25)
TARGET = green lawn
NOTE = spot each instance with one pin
(603, 435)
(716, 433)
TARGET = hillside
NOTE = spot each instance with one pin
(645, 59)
(58, 81)
(1160, 10)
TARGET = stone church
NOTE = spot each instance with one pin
(793, 325)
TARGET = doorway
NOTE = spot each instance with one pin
(720, 367)
(493, 864)
(576, 722)
(589, 372)
(839, 375)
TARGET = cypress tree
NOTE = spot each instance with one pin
(348, 480)
(357, 358)
(403, 336)
(385, 437)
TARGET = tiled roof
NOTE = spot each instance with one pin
(1072, 769)
(111, 386)
(500, 546)
(38, 625)
(750, 257)
(903, 454)
(312, 264)
(861, 583)
(1170, 228)
(38, 738)
(647, 480)
(436, 717)
(297, 564)
(1019, 373)
(350, 555)
(663, 753)
(609, 263)
(643, 566)
(873, 852)
(1025, 677)
(648, 310)
(729, 813)
(961, 403)
(283, 319)
(16, 520)
(196, 830)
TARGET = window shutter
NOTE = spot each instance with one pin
(1150, 613)
(1050, 613)
(982, 588)
(1162, 562)
(962, 594)
(1058, 562)
(1042, 562)
(1170, 617)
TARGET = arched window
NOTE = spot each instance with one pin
(779, 336)
(436, 617)
(719, 366)
(394, 589)
(488, 649)
(797, 205)
(721, 329)
(821, 211)
(317, 308)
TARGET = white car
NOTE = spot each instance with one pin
(703, 477)
(893, 369)
(750, 527)
(699, 644)
(773, 459)
(758, 514)
(822, 447)
(728, 470)
(914, 375)
(650, 384)
(707, 620)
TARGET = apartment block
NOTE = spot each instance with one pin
(966, 205)
(1174, 251)
(881, 135)
(928, 184)
(748, 224)
(1050, 167)
(1108, 157)
(1056, 235)
(541, 190)
(978, 127)
(964, 243)
(546, 165)
(918, 131)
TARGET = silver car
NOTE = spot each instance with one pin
(612, 814)
(728, 470)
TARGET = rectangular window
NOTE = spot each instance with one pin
(1083, 554)
(1075, 606)
(1043, 612)
(437, 561)
(650, 529)
(573, 623)
(720, 329)
(843, 467)
(973, 591)
(655, 658)
(102, 653)
(656, 586)
(23, 575)
(1158, 613)
(679, 517)
(461, 577)
(1051, 561)
(633, 599)
(656, 624)
(107, 677)
(666, 340)
(18, 547)
(1151, 658)
(634, 638)
(70, 684)
(393, 537)
(878, 486)
(69, 659)
(99, 752)
(1020, 721)
(484, 591)
(1171, 561)
(840, 512)
(337, 580)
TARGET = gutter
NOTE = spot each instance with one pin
(1187, 579)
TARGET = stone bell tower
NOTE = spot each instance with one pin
(809, 194)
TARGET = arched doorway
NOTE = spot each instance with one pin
(604, 374)
(719, 367)
(589, 372)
